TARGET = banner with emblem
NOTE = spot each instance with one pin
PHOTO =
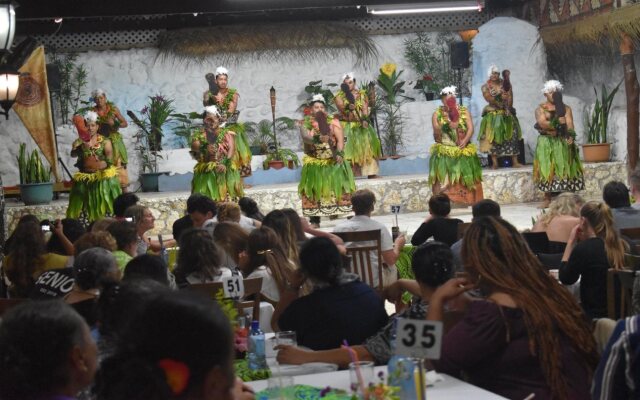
(33, 106)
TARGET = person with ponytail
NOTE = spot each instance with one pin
(362, 147)
(267, 259)
(180, 346)
(46, 352)
(593, 248)
(454, 166)
(528, 337)
(339, 308)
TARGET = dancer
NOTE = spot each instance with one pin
(96, 186)
(500, 130)
(215, 175)
(362, 146)
(327, 179)
(226, 99)
(556, 166)
(110, 120)
(454, 167)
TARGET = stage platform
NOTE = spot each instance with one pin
(411, 192)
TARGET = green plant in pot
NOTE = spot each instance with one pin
(265, 136)
(597, 149)
(391, 99)
(35, 180)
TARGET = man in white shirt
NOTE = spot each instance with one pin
(363, 202)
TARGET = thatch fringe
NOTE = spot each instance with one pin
(310, 41)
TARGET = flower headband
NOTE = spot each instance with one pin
(98, 92)
(552, 86)
(349, 75)
(222, 71)
(213, 110)
(449, 90)
(91, 116)
(493, 69)
(317, 98)
(176, 374)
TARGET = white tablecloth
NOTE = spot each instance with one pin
(266, 311)
(450, 388)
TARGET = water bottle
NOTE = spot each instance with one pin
(405, 373)
(256, 354)
(164, 253)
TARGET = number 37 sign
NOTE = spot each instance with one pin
(419, 338)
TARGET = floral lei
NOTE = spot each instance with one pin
(443, 120)
(228, 98)
(308, 124)
(109, 115)
(202, 138)
(95, 150)
(359, 101)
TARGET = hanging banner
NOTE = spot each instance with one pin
(33, 106)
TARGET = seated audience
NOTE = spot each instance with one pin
(593, 247)
(29, 258)
(616, 195)
(122, 202)
(438, 224)
(432, 265)
(23, 219)
(95, 239)
(230, 212)
(339, 308)
(198, 259)
(46, 352)
(300, 226)
(558, 222)
(179, 346)
(266, 259)
(124, 232)
(279, 222)
(201, 210)
(528, 338)
(91, 270)
(102, 225)
(231, 240)
(145, 221)
(250, 208)
(72, 229)
(483, 208)
(147, 267)
(363, 202)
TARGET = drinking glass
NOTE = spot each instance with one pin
(361, 370)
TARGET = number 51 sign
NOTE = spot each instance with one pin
(419, 338)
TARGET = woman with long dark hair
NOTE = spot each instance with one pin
(198, 259)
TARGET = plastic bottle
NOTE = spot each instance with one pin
(256, 353)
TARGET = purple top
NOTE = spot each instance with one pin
(492, 349)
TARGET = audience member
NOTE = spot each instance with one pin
(231, 240)
(301, 226)
(23, 219)
(230, 212)
(438, 225)
(72, 229)
(145, 221)
(593, 247)
(616, 195)
(95, 239)
(122, 202)
(432, 265)
(185, 222)
(46, 352)
(147, 267)
(558, 222)
(102, 225)
(200, 209)
(179, 346)
(124, 232)
(363, 202)
(529, 338)
(266, 259)
(483, 208)
(279, 222)
(250, 208)
(198, 259)
(29, 258)
(340, 307)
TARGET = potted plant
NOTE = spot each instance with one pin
(258, 134)
(392, 98)
(149, 138)
(597, 149)
(277, 157)
(186, 125)
(35, 180)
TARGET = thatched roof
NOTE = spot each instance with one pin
(312, 41)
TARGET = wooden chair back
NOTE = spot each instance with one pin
(631, 233)
(538, 241)
(462, 228)
(252, 296)
(632, 261)
(619, 293)
(360, 246)
(7, 304)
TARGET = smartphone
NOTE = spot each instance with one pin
(129, 219)
(45, 228)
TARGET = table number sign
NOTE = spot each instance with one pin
(418, 338)
(233, 287)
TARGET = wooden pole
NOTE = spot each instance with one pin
(632, 89)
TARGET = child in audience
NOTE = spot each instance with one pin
(438, 224)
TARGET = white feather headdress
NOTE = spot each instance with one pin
(222, 71)
(449, 90)
(552, 86)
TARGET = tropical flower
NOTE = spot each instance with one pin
(388, 69)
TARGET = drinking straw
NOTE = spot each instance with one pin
(354, 360)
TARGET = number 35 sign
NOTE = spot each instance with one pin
(419, 338)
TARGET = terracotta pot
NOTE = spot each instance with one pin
(599, 152)
(276, 164)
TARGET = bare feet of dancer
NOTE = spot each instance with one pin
(515, 163)
(494, 162)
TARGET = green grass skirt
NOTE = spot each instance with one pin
(119, 149)
(218, 186)
(94, 193)
(555, 158)
(242, 155)
(497, 127)
(452, 165)
(324, 180)
(362, 144)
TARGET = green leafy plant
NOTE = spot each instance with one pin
(185, 124)
(73, 82)
(262, 134)
(597, 121)
(31, 168)
(316, 87)
(391, 99)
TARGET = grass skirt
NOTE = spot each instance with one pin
(497, 131)
(362, 146)
(119, 149)
(557, 166)
(93, 193)
(450, 165)
(326, 187)
(242, 157)
(218, 186)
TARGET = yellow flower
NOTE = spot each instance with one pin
(388, 69)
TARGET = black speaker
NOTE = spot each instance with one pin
(53, 77)
(459, 55)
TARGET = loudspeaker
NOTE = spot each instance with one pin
(53, 77)
(459, 55)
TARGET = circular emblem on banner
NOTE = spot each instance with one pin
(29, 93)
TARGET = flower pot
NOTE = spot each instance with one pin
(149, 181)
(599, 152)
(276, 164)
(36, 193)
(429, 96)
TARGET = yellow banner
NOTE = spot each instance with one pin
(33, 106)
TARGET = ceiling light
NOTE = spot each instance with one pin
(7, 25)
(58, 20)
(433, 7)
